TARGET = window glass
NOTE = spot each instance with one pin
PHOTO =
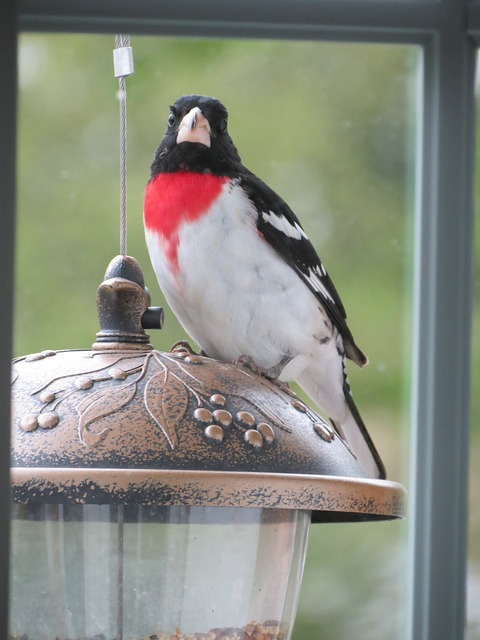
(331, 128)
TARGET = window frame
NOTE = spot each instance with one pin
(447, 32)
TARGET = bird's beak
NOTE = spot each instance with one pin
(194, 127)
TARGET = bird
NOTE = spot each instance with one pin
(238, 270)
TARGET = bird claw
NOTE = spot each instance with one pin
(249, 363)
(183, 345)
(271, 373)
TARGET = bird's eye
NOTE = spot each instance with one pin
(171, 119)
(223, 125)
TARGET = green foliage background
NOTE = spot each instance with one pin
(331, 127)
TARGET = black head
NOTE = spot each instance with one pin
(197, 139)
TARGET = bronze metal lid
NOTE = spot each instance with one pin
(124, 423)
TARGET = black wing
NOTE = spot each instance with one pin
(282, 230)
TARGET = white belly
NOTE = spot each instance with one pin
(232, 292)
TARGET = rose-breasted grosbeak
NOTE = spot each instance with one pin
(239, 272)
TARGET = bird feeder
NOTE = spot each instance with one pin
(166, 495)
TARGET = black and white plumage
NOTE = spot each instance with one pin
(239, 271)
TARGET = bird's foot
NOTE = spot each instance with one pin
(182, 346)
(271, 373)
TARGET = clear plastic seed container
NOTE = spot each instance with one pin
(102, 572)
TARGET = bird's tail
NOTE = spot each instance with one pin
(346, 419)
(359, 439)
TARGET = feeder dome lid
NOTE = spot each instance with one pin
(124, 423)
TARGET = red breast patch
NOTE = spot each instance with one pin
(174, 198)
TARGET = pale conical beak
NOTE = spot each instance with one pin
(194, 127)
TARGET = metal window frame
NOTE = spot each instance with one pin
(448, 32)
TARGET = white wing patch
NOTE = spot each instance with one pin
(282, 224)
(314, 276)
(295, 231)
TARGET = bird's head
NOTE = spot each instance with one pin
(196, 139)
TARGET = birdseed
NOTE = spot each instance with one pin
(269, 630)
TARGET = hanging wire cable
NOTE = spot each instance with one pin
(123, 67)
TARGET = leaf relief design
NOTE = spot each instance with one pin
(89, 365)
(166, 398)
(99, 405)
(194, 384)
